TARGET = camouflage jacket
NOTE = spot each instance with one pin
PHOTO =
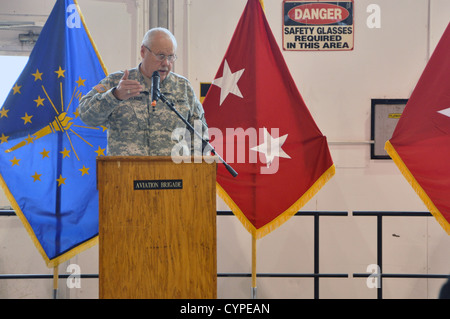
(134, 128)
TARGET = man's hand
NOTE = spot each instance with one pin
(127, 88)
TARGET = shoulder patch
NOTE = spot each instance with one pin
(100, 88)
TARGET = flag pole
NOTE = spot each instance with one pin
(254, 234)
(55, 282)
(253, 266)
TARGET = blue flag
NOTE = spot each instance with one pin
(47, 155)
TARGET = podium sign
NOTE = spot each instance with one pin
(157, 228)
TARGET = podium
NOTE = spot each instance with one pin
(157, 228)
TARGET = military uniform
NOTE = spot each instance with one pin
(134, 128)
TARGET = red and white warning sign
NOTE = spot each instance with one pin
(318, 25)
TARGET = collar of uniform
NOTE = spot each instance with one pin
(143, 79)
(148, 81)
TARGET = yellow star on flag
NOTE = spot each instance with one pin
(36, 177)
(44, 153)
(39, 101)
(84, 170)
(27, 118)
(16, 88)
(100, 151)
(60, 72)
(4, 139)
(4, 113)
(65, 153)
(15, 161)
(61, 180)
(29, 139)
(80, 82)
(37, 75)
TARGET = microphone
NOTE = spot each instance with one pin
(155, 88)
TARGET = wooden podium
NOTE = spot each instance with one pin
(157, 228)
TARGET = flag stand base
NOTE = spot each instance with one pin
(253, 292)
(55, 282)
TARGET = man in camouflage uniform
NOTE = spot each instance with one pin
(121, 102)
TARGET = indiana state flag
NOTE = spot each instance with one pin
(47, 155)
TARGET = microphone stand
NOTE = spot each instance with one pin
(171, 106)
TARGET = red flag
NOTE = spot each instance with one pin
(420, 144)
(261, 126)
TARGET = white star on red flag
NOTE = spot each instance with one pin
(228, 82)
(271, 147)
(445, 112)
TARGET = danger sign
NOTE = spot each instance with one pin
(318, 25)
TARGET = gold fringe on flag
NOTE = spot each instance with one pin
(416, 186)
(283, 217)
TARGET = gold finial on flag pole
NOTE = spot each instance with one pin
(262, 5)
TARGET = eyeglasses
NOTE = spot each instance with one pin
(161, 57)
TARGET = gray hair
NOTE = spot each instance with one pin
(148, 37)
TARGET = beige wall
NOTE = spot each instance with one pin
(337, 88)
